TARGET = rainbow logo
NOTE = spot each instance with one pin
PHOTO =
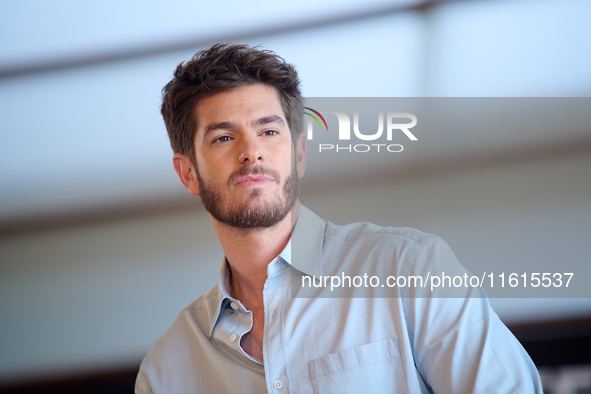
(315, 118)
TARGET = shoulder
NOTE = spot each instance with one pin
(372, 236)
(383, 251)
(185, 339)
(192, 322)
(356, 230)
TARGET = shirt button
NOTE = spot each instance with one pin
(234, 306)
(232, 337)
(278, 384)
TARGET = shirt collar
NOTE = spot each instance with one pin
(306, 243)
(218, 298)
(303, 252)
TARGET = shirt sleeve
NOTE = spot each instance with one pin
(142, 383)
(459, 344)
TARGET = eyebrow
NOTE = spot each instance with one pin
(269, 119)
(219, 126)
(264, 120)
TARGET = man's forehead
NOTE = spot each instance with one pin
(252, 104)
(241, 98)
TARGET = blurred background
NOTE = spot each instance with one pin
(101, 246)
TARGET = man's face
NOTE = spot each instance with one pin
(246, 164)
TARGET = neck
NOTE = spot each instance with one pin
(249, 252)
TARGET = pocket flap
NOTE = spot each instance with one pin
(358, 356)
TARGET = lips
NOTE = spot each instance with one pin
(253, 180)
(253, 176)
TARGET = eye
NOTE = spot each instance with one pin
(221, 140)
(270, 132)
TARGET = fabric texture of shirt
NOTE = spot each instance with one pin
(403, 344)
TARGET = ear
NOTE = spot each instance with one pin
(300, 152)
(186, 172)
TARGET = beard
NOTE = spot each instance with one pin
(254, 213)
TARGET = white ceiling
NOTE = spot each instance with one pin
(37, 30)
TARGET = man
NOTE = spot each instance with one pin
(234, 118)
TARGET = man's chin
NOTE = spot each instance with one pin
(256, 217)
(250, 208)
(263, 192)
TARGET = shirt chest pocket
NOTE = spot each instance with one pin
(372, 368)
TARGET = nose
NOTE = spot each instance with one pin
(250, 151)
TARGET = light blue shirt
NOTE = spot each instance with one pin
(401, 344)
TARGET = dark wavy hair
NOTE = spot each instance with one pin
(220, 68)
